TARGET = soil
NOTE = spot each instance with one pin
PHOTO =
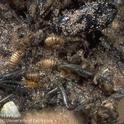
(79, 78)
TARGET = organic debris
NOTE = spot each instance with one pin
(55, 53)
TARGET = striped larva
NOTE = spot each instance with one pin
(33, 76)
(53, 40)
(15, 58)
(32, 79)
(47, 63)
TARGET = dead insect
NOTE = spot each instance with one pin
(76, 69)
(54, 40)
(47, 63)
(15, 58)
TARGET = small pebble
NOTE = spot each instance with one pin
(10, 110)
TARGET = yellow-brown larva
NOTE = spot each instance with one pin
(54, 40)
(34, 76)
(47, 63)
(31, 84)
(15, 58)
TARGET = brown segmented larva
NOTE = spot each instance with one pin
(15, 58)
(54, 40)
(34, 76)
(47, 63)
(31, 84)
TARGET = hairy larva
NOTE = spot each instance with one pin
(33, 76)
(47, 63)
(15, 58)
(54, 40)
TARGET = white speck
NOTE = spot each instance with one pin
(65, 19)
